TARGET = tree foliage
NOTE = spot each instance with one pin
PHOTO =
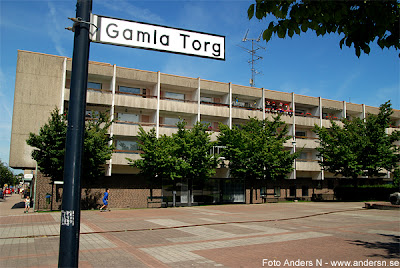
(360, 147)
(49, 146)
(256, 150)
(361, 22)
(185, 154)
(6, 175)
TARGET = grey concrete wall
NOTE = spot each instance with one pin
(37, 92)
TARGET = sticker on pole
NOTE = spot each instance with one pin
(120, 32)
(67, 217)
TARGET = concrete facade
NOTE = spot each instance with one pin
(153, 99)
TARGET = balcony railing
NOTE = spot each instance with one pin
(180, 100)
(279, 111)
(100, 90)
(136, 94)
(247, 108)
(129, 151)
(306, 160)
(214, 103)
(306, 115)
(329, 117)
(306, 138)
(135, 123)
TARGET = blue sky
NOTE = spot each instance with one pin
(306, 64)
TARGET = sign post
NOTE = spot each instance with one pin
(70, 209)
(119, 32)
(128, 33)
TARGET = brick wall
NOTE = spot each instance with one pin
(126, 191)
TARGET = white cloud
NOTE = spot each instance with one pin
(55, 28)
(135, 12)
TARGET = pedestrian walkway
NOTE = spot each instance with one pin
(262, 235)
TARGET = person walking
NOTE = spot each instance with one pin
(27, 204)
(105, 201)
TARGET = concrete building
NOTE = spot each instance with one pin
(157, 100)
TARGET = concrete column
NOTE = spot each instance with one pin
(320, 111)
(294, 116)
(363, 112)
(344, 112)
(198, 99)
(112, 113)
(294, 172)
(64, 77)
(230, 105)
(263, 103)
(158, 104)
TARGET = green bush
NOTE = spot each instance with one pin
(365, 192)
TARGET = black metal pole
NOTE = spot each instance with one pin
(70, 209)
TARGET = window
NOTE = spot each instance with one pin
(216, 150)
(92, 114)
(132, 90)
(263, 191)
(171, 121)
(300, 112)
(94, 85)
(127, 145)
(277, 191)
(292, 191)
(206, 99)
(304, 190)
(134, 118)
(303, 156)
(175, 96)
(301, 134)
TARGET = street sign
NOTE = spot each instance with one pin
(156, 37)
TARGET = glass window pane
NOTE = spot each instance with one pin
(94, 85)
(206, 99)
(133, 90)
(128, 117)
(277, 191)
(171, 121)
(173, 95)
(127, 145)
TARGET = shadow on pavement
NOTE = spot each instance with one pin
(18, 205)
(392, 248)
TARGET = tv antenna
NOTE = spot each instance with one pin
(254, 57)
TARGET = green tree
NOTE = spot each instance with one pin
(193, 147)
(361, 22)
(360, 147)
(158, 160)
(6, 175)
(184, 154)
(49, 147)
(256, 149)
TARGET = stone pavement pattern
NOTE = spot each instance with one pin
(263, 235)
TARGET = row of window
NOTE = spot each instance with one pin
(271, 106)
(293, 190)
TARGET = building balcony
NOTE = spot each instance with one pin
(307, 165)
(214, 109)
(246, 112)
(136, 100)
(94, 96)
(308, 121)
(178, 106)
(122, 128)
(119, 157)
(306, 142)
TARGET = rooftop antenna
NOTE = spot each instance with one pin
(254, 57)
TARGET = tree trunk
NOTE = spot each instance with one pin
(355, 181)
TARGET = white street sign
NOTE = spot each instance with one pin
(155, 37)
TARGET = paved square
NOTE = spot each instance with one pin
(264, 235)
